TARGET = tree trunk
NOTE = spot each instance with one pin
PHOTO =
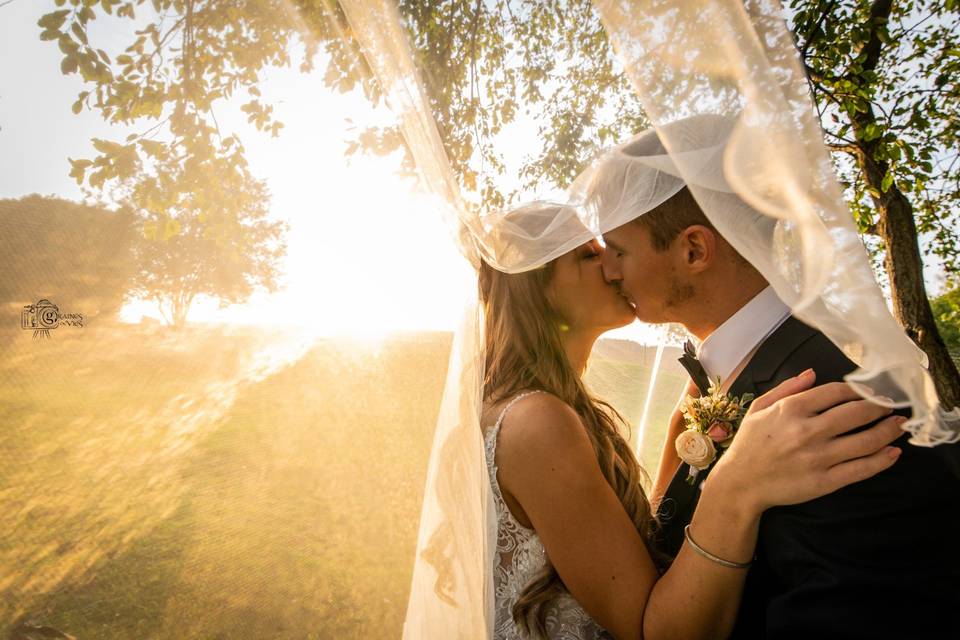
(904, 268)
(898, 229)
(179, 313)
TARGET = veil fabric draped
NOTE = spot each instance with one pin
(733, 120)
(775, 197)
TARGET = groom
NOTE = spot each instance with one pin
(877, 559)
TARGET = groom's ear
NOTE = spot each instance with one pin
(698, 247)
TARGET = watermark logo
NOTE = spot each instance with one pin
(44, 316)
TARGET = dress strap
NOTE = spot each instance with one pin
(510, 404)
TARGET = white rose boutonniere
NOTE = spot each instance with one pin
(712, 422)
(696, 449)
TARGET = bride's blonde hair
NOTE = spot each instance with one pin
(524, 352)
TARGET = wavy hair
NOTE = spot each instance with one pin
(524, 351)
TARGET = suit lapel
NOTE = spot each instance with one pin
(773, 353)
(744, 382)
(767, 360)
(680, 498)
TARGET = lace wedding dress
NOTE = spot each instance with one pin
(520, 556)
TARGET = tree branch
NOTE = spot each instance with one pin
(809, 36)
(879, 16)
(846, 148)
(473, 75)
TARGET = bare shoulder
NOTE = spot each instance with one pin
(542, 432)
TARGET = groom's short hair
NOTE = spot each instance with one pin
(667, 220)
(676, 213)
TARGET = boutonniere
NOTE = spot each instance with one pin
(712, 422)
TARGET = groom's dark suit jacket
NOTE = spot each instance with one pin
(876, 559)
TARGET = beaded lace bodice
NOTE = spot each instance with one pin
(520, 556)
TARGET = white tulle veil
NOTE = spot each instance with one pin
(733, 120)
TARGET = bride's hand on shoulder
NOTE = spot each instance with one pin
(793, 445)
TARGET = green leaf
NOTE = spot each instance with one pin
(98, 178)
(80, 32)
(106, 146)
(887, 181)
(78, 168)
(69, 65)
(67, 45)
(153, 147)
(54, 20)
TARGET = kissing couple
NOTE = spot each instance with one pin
(786, 504)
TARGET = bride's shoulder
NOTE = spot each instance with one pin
(541, 439)
(540, 420)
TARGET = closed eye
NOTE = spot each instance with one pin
(618, 252)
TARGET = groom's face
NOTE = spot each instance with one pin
(648, 278)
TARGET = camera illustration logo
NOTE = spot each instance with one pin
(44, 316)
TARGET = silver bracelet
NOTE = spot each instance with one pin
(709, 556)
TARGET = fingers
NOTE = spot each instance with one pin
(857, 445)
(819, 399)
(849, 415)
(860, 468)
(786, 388)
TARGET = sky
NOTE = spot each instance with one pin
(363, 248)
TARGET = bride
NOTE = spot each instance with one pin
(574, 557)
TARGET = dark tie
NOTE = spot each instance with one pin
(681, 497)
(697, 373)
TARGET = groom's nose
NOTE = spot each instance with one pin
(610, 267)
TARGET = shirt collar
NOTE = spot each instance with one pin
(725, 348)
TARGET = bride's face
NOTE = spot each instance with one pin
(580, 294)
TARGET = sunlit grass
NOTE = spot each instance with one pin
(221, 485)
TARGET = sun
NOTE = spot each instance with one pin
(368, 253)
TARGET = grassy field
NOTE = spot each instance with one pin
(219, 484)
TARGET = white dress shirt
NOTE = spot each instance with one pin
(726, 349)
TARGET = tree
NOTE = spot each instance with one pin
(181, 175)
(79, 257)
(191, 252)
(946, 309)
(885, 78)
